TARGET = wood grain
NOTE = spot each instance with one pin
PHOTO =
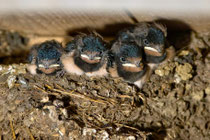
(62, 23)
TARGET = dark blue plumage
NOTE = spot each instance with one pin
(130, 50)
(86, 54)
(49, 50)
(150, 36)
(45, 58)
(127, 62)
(93, 43)
(155, 36)
(125, 35)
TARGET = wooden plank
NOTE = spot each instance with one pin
(69, 23)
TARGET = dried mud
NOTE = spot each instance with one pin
(173, 104)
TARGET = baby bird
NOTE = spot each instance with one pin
(86, 54)
(128, 63)
(152, 36)
(45, 58)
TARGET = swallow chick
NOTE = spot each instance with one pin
(86, 54)
(153, 39)
(128, 63)
(45, 58)
(152, 36)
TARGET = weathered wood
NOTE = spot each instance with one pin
(63, 17)
(69, 23)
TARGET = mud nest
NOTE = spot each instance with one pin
(173, 104)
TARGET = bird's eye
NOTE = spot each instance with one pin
(122, 59)
(58, 59)
(82, 50)
(100, 52)
(146, 42)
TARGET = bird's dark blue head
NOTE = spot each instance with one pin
(49, 50)
(92, 49)
(93, 43)
(48, 57)
(126, 35)
(130, 57)
(154, 42)
(130, 50)
(156, 36)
